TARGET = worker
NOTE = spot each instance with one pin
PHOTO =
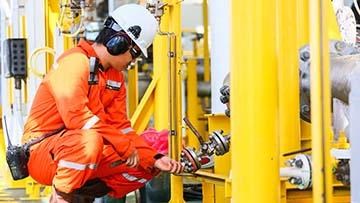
(88, 148)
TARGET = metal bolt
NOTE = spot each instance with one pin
(171, 54)
(299, 163)
(295, 181)
(339, 46)
(298, 181)
(305, 56)
(290, 162)
(305, 108)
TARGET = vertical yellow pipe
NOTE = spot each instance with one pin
(302, 22)
(161, 71)
(206, 41)
(24, 35)
(192, 100)
(48, 33)
(170, 22)
(254, 104)
(51, 15)
(175, 27)
(289, 115)
(9, 34)
(133, 89)
(320, 102)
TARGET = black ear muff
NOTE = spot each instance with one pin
(117, 44)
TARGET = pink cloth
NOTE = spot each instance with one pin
(157, 139)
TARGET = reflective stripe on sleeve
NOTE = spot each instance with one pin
(133, 178)
(90, 123)
(126, 130)
(76, 166)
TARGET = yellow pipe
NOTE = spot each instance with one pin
(32, 60)
(302, 19)
(133, 89)
(222, 163)
(9, 34)
(303, 22)
(320, 102)
(289, 116)
(161, 71)
(192, 100)
(195, 47)
(206, 41)
(170, 22)
(176, 72)
(24, 34)
(51, 12)
(254, 105)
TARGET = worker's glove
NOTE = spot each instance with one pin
(225, 98)
(133, 160)
(168, 165)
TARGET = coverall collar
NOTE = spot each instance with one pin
(86, 46)
(89, 50)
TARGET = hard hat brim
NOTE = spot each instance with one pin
(143, 50)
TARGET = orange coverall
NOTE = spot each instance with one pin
(98, 136)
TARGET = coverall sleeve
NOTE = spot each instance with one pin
(117, 116)
(69, 87)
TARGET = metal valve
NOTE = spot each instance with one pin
(156, 8)
(218, 144)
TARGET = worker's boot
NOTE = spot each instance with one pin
(86, 194)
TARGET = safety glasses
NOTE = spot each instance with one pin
(134, 53)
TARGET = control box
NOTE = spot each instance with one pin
(15, 58)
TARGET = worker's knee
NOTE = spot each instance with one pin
(92, 143)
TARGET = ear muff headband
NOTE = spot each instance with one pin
(118, 44)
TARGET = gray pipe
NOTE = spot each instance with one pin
(342, 67)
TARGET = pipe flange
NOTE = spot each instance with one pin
(220, 143)
(190, 160)
(336, 48)
(298, 171)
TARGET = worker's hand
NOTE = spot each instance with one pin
(168, 165)
(133, 160)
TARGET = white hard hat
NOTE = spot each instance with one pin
(138, 23)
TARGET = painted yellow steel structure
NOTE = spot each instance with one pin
(265, 120)
(145, 109)
(320, 103)
(192, 101)
(288, 77)
(167, 69)
(222, 163)
(254, 102)
(133, 97)
(206, 41)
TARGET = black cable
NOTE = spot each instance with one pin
(7, 132)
